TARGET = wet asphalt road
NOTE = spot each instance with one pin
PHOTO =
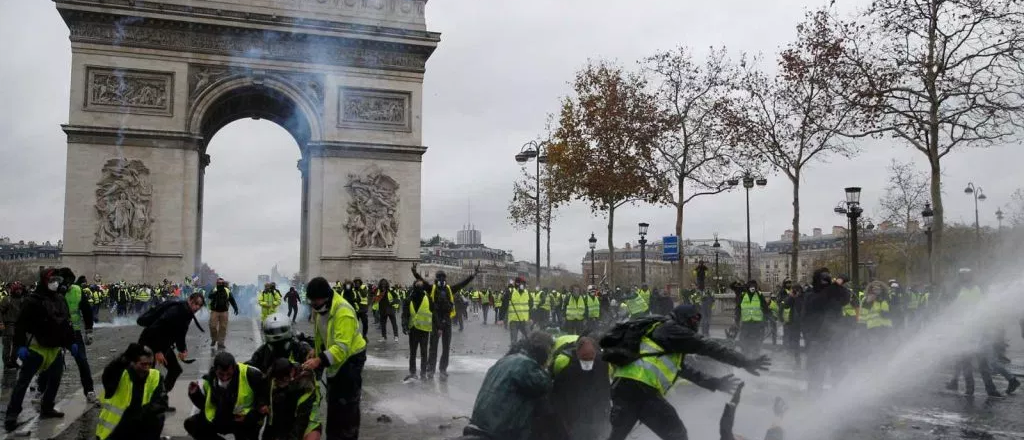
(437, 410)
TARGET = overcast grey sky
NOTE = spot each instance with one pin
(500, 69)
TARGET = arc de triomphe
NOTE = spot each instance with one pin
(152, 82)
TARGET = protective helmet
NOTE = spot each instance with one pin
(277, 328)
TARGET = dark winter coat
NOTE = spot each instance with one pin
(46, 317)
(512, 390)
(169, 329)
(674, 337)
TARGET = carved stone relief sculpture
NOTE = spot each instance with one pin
(129, 91)
(374, 109)
(372, 211)
(124, 198)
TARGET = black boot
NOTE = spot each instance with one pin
(51, 413)
(1014, 384)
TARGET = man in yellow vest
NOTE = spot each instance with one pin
(134, 401)
(231, 400)
(518, 304)
(340, 350)
(969, 295)
(639, 387)
(362, 292)
(417, 322)
(575, 311)
(442, 299)
(753, 312)
(269, 300)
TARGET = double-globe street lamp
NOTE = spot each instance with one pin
(593, 245)
(999, 218)
(978, 195)
(851, 208)
(926, 216)
(534, 150)
(643, 252)
(749, 180)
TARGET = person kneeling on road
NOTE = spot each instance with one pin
(295, 403)
(231, 399)
(133, 401)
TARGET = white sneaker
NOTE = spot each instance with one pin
(382, 340)
(91, 398)
(396, 338)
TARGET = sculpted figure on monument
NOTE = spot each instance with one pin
(372, 211)
(123, 198)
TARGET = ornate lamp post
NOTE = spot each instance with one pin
(978, 195)
(593, 245)
(999, 218)
(716, 246)
(927, 215)
(643, 252)
(851, 208)
(534, 150)
(749, 180)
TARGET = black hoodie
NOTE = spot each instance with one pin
(45, 316)
(823, 306)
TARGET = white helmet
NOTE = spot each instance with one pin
(277, 328)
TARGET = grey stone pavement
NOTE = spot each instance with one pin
(435, 410)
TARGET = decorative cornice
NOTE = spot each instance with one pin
(377, 257)
(120, 253)
(83, 134)
(141, 6)
(232, 41)
(359, 150)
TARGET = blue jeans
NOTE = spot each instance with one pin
(50, 378)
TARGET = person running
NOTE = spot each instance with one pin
(165, 328)
(81, 322)
(220, 299)
(42, 330)
(269, 300)
(442, 297)
(292, 298)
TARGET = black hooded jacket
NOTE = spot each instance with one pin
(45, 316)
(169, 329)
(823, 306)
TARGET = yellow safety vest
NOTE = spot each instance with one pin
(338, 350)
(561, 354)
(637, 305)
(655, 368)
(873, 315)
(114, 407)
(750, 308)
(314, 415)
(243, 403)
(422, 318)
(594, 307)
(451, 297)
(519, 306)
(575, 308)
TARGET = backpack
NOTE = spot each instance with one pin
(621, 345)
(150, 316)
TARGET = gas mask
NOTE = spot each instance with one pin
(586, 365)
(222, 384)
(52, 286)
(323, 308)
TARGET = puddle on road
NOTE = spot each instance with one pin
(948, 419)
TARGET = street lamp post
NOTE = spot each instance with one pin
(927, 215)
(978, 195)
(749, 180)
(643, 252)
(593, 245)
(716, 246)
(529, 151)
(852, 210)
(999, 218)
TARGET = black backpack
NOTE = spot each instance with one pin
(150, 316)
(621, 345)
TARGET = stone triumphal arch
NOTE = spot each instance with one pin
(152, 81)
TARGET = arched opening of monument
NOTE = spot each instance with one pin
(250, 190)
(252, 193)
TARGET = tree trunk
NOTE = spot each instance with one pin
(794, 257)
(610, 271)
(681, 267)
(938, 222)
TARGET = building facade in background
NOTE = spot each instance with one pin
(662, 274)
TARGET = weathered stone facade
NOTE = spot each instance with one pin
(153, 81)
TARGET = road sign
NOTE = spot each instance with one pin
(670, 248)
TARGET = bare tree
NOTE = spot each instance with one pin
(11, 271)
(797, 117)
(942, 75)
(1016, 208)
(695, 153)
(905, 197)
